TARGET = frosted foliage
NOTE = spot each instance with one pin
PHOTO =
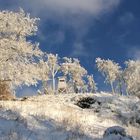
(18, 56)
(43, 70)
(75, 71)
(108, 68)
(132, 77)
(53, 63)
(17, 24)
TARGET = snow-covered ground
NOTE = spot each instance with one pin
(57, 117)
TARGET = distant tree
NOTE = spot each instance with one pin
(109, 69)
(91, 84)
(54, 68)
(74, 72)
(18, 56)
(131, 76)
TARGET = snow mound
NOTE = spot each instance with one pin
(58, 117)
(116, 133)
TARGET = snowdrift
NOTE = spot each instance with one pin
(55, 117)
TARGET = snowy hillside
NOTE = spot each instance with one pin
(60, 117)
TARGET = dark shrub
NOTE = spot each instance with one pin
(5, 93)
(86, 102)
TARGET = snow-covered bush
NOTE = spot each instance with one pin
(130, 114)
(116, 133)
(114, 130)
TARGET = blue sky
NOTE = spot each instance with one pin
(85, 29)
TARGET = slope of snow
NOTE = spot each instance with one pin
(56, 117)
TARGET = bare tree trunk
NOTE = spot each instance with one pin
(120, 87)
(112, 87)
(53, 84)
(44, 87)
(127, 92)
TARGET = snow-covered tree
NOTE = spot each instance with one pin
(54, 68)
(91, 84)
(74, 72)
(109, 69)
(131, 77)
(18, 56)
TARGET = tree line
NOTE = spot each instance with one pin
(125, 81)
(23, 63)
